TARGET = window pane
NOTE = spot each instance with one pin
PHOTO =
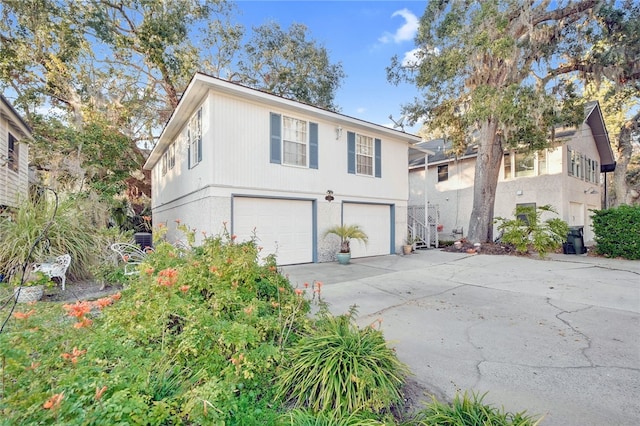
(524, 164)
(542, 162)
(364, 155)
(294, 141)
(507, 166)
(443, 172)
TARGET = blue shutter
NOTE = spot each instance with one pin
(313, 145)
(276, 138)
(351, 152)
(378, 157)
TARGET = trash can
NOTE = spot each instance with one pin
(575, 241)
(143, 239)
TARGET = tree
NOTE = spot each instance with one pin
(289, 65)
(489, 70)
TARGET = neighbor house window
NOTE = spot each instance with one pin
(443, 172)
(364, 155)
(195, 139)
(13, 153)
(294, 141)
(507, 165)
(524, 164)
(542, 162)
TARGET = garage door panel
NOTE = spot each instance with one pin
(283, 227)
(375, 221)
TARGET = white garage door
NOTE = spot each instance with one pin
(375, 220)
(283, 227)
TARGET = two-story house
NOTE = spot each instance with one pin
(14, 156)
(567, 176)
(278, 169)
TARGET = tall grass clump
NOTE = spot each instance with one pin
(468, 410)
(341, 368)
(68, 231)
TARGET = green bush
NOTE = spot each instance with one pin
(196, 339)
(470, 411)
(341, 368)
(617, 231)
(528, 230)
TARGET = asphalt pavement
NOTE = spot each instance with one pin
(557, 337)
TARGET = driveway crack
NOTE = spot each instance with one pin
(584, 350)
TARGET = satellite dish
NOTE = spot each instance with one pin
(398, 124)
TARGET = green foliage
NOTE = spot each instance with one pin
(341, 368)
(528, 230)
(470, 411)
(70, 232)
(346, 233)
(617, 231)
(305, 417)
(196, 339)
(290, 65)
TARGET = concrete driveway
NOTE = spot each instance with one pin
(558, 337)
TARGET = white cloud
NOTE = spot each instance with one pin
(361, 110)
(406, 32)
(412, 57)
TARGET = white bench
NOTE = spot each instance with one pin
(56, 267)
(131, 255)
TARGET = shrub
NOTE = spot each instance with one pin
(470, 411)
(341, 368)
(195, 339)
(68, 231)
(617, 231)
(528, 230)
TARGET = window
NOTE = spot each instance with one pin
(195, 139)
(164, 163)
(294, 141)
(507, 165)
(524, 164)
(542, 162)
(443, 172)
(364, 155)
(13, 152)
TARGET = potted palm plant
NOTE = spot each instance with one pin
(346, 233)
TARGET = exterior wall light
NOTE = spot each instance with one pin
(329, 196)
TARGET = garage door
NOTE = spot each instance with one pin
(283, 227)
(375, 220)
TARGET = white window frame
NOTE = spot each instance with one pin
(365, 153)
(13, 153)
(295, 134)
(443, 176)
(195, 138)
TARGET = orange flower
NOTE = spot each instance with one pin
(99, 392)
(213, 269)
(24, 315)
(178, 221)
(273, 268)
(103, 302)
(85, 322)
(116, 296)
(248, 310)
(318, 284)
(146, 218)
(78, 310)
(149, 271)
(74, 355)
(233, 237)
(125, 257)
(275, 304)
(185, 288)
(299, 292)
(168, 277)
(54, 402)
(306, 285)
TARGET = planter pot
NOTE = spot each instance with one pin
(344, 258)
(29, 294)
(407, 249)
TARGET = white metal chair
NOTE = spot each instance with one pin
(56, 267)
(131, 255)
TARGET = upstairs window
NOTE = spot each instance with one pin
(194, 134)
(364, 155)
(13, 156)
(294, 141)
(443, 172)
(523, 164)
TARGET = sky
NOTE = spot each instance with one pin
(361, 35)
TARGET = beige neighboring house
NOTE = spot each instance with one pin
(14, 156)
(285, 170)
(568, 176)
